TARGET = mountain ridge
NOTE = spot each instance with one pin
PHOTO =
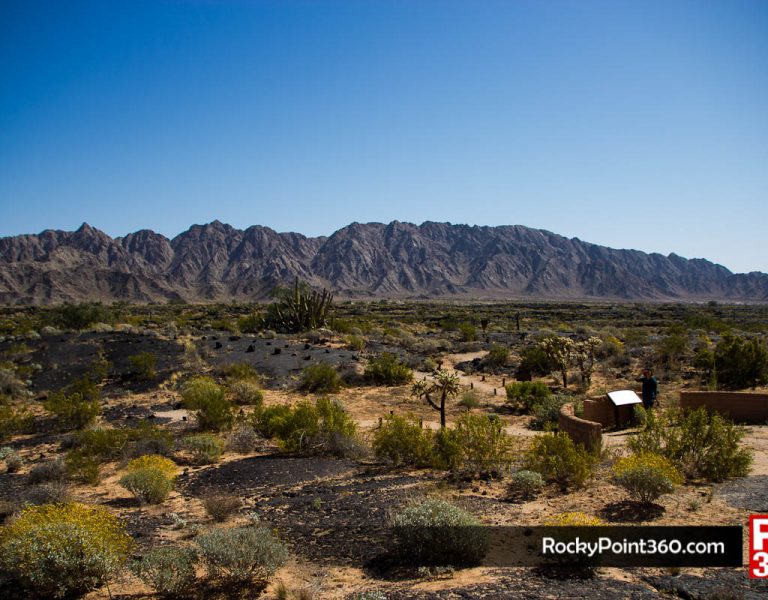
(218, 262)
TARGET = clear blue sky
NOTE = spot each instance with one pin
(632, 124)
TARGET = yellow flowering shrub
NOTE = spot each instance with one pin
(646, 476)
(153, 461)
(62, 550)
(572, 519)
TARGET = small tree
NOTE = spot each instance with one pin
(445, 385)
(584, 357)
(558, 351)
(741, 362)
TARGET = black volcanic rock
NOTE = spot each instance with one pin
(218, 262)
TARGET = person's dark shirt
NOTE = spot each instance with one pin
(650, 387)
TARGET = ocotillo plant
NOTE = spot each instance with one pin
(300, 308)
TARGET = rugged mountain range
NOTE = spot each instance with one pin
(218, 262)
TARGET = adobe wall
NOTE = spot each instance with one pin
(601, 410)
(743, 407)
(585, 432)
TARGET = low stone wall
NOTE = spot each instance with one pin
(582, 431)
(743, 407)
(601, 410)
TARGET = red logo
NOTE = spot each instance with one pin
(758, 546)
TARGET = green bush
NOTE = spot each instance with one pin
(321, 428)
(150, 478)
(62, 550)
(525, 485)
(150, 486)
(247, 393)
(388, 369)
(144, 365)
(527, 393)
(559, 460)
(546, 412)
(534, 362)
(321, 378)
(498, 356)
(213, 410)
(83, 467)
(741, 362)
(13, 421)
(468, 332)
(437, 533)
(646, 477)
(206, 448)
(402, 440)
(469, 400)
(77, 406)
(238, 556)
(79, 316)
(239, 372)
(701, 445)
(170, 571)
(484, 445)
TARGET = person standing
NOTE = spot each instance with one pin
(650, 388)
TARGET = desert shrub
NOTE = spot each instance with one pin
(534, 362)
(165, 465)
(468, 332)
(558, 459)
(546, 412)
(527, 393)
(646, 477)
(321, 378)
(79, 316)
(148, 439)
(247, 392)
(237, 556)
(53, 492)
(525, 485)
(13, 421)
(144, 365)
(469, 400)
(75, 409)
(671, 348)
(150, 486)
(250, 323)
(107, 444)
(572, 519)
(12, 459)
(150, 478)
(220, 506)
(701, 445)
(402, 440)
(388, 369)
(485, 446)
(356, 342)
(51, 470)
(10, 384)
(271, 419)
(243, 439)
(639, 415)
(82, 467)
(741, 362)
(497, 357)
(438, 533)
(239, 372)
(321, 428)
(213, 410)
(170, 571)
(62, 550)
(205, 448)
